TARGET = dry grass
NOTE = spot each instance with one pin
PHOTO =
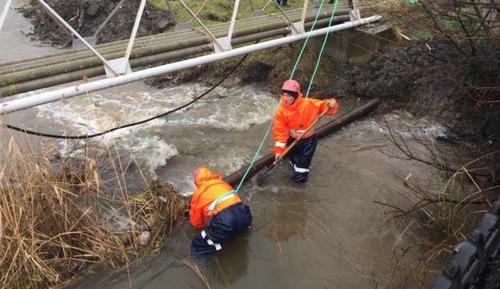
(55, 219)
(436, 221)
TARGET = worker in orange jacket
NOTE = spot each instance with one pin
(216, 210)
(293, 117)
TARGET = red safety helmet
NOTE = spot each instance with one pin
(291, 85)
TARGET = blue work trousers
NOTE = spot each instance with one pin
(223, 227)
(301, 156)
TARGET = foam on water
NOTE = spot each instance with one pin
(148, 144)
(407, 126)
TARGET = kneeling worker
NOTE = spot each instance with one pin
(216, 210)
(292, 119)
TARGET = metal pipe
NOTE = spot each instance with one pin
(304, 12)
(119, 45)
(290, 23)
(202, 25)
(146, 60)
(103, 24)
(134, 29)
(321, 132)
(61, 20)
(4, 13)
(80, 62)
(233, 20)
(51, 96)
(267, 5)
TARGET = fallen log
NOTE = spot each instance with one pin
(321, 132)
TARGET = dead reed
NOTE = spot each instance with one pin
(437, 220)
(55, 219)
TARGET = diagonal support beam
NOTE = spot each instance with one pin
(226, 41)
(122, 65)
(303, 18)
(71, 91)
(353, 11)
(111, 15)
(290, 23)
(217, 45)
(188, 24)
(4, 13)
(73, 31)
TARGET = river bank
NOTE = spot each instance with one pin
(333, 221)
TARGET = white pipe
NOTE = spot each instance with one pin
(233, 20)
(303, 18)
(60, 19)
(134, 30)
(51, 96)
(4, 13)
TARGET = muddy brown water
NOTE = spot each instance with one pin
(327, 233)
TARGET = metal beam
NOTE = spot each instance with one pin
(290, 23)
(217, 45)
(304, 13)
(101, 27)
(62, 21)
(52, 96)
(4, 13)
(226, 40)
(134, 30)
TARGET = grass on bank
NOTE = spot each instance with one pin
(218, 11)
(56, 220)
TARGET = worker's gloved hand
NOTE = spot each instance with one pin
(331, 103)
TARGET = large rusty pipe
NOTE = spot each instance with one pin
(76, 75)
(120, 45)
(321, 132)
(80, 64)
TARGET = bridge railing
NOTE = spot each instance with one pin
(476, 263)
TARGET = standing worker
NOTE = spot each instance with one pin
(216, 210)
(292, 119)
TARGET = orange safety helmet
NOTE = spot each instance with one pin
(202, 174)
(291, 86)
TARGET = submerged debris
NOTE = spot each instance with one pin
(54, 222)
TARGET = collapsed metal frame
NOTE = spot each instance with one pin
(118, 71)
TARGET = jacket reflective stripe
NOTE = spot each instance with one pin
(298, 133)
(213, 205)
(280, 144)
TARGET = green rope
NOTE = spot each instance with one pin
(306, 40)
(261, 145)
(318, 61)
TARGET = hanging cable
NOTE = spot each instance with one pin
(88, 136)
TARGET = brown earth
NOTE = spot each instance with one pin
(85, 16)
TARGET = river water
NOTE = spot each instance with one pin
(327, 233)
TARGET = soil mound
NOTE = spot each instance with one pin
(85, 16)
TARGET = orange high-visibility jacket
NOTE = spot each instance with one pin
(208, 188)
(293, 120)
